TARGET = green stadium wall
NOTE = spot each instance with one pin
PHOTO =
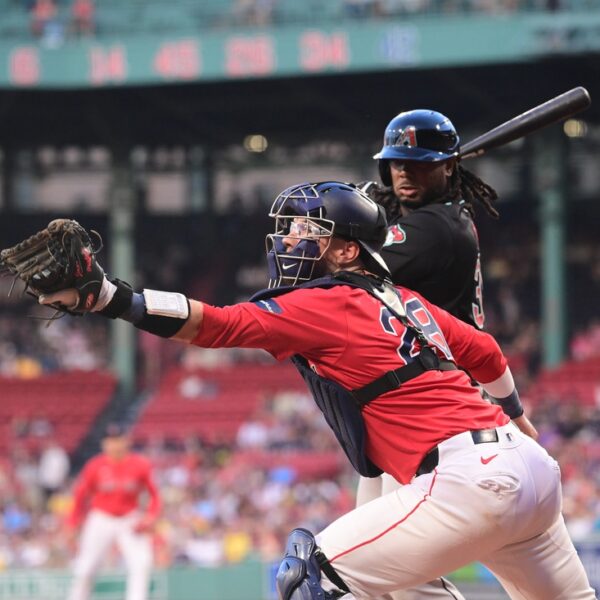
(425, 42)
(251, 580)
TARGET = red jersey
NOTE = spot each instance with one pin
(349, 336)
(114, 487)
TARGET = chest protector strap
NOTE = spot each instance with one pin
(426, 360)
(342, 408)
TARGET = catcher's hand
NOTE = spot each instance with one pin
(525, 425)
(58, 262)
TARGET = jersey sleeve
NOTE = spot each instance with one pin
(474, 350)
(417, 245)
(81, 494)
(298, 322)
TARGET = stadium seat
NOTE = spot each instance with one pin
(212, 403)
(68, 401)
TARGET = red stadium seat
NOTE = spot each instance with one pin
(212, 403)
(68, 401)
(575, 382)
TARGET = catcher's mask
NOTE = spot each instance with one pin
(421, 135)
(310, 212)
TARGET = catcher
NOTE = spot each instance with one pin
(381, 362)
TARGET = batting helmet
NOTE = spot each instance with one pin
(312, 211)
(423, 135)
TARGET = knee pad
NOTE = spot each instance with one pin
(299, 574)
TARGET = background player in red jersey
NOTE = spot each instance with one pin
(381, 363)
(107, 498)
(432, 245)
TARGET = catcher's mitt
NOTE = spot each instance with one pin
(57, 258)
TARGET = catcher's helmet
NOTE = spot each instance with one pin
(310, 211)
(423, 135)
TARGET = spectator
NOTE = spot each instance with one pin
(83, 18)
(42, 14)
(254, 12)
(358, 9)
(253, 434)
(53, 468)
(586, 343)
(263, 12)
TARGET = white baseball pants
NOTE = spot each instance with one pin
(370, 488)
(498, 503)
(99, 532)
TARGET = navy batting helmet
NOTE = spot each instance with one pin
(423, 135)
(310, 211)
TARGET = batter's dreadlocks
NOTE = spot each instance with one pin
(385, 196)
(463, 184)
(469, 187)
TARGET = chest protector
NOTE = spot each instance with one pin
(342, 408)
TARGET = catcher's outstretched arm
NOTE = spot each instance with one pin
(189, 331)
(163, 313)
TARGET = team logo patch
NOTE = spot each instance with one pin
(395, 235)
(87, 257)
(269, 305)
(89, 301)
(408, 137)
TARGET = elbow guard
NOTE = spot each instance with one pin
(159, 313)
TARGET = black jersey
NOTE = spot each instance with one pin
(435, 251)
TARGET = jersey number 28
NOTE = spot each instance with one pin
(419, 316)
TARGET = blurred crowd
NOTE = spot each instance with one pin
(33, 341)
(55, 21)
(586, 342)
(384, 8)
(228, 502)
(223, 502)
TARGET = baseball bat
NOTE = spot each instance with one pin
(555, 109)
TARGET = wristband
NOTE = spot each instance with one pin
(163, 326)
(511, 404)
(135, 313)
(159, 313)
(105, 295)
(120, 301)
